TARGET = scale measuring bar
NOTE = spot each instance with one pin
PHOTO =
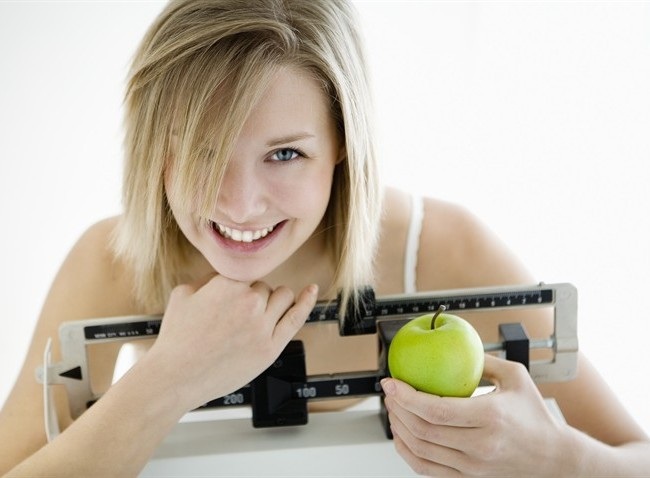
(371, 310)
(75, 336)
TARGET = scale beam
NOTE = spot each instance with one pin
(288, 388)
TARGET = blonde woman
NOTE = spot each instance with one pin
(250, 192)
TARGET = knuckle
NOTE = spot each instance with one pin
(254, 300)
(285, 294)
(517, 370)
(439, 414)
(432, 434)
(419, 448)
(420, 430)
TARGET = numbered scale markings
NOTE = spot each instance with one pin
(371, 310)
(317, 387)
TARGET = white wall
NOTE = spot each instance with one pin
(534, 115)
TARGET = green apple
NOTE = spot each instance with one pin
(439, 353)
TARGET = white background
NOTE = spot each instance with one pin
(535, 115)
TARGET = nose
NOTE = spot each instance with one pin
(242, 194)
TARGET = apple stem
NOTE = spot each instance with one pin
(440, 310)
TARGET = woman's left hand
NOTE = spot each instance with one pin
(509, 431)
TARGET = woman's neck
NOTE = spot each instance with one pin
(311, 263)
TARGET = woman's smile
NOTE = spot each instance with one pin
(241, 235)
(248, 240)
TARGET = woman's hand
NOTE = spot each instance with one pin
(508, 432)
(219, 334)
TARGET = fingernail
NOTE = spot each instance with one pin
(388, 386)
(313, 289)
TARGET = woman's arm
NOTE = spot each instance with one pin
(510, 427)
(201, 353)
(74, 294)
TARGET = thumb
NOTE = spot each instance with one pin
(503, 373)
(295, 317)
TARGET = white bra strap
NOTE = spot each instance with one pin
(412, 244)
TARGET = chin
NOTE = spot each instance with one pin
(242, 272)
(239, 277)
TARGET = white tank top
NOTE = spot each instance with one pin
(413, 244)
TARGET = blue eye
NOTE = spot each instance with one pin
(285, 154)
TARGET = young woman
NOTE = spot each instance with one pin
(250, 192)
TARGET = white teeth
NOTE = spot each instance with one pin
(241, 236)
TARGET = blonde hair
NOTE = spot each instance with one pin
(204, 63)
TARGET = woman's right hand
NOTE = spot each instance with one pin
(217, 335)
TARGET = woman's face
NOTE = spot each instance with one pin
(277, 184)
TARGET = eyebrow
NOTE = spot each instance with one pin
(288, 139)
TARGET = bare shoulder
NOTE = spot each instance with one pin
(456, 249)
(459, 250)
(92, 282)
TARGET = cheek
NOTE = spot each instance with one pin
(308, 194)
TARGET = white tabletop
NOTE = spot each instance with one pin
(224, 443)
(347, 443)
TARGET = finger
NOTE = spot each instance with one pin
(503, 373)
(417, 431)
(294, 318)
(279, 301)
(262, 288)
(450, 411)
(423, 458)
